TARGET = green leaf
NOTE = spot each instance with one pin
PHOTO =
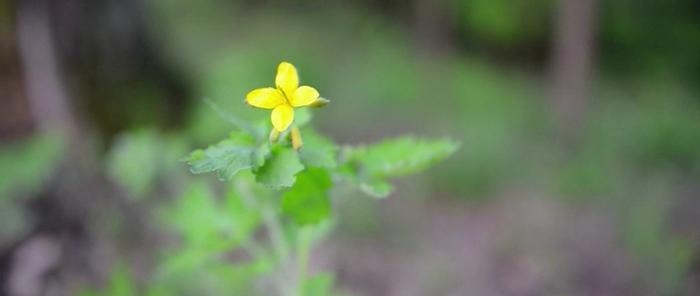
(319, 285)
(238, 217)
(280, 169)
(370, 166)
(401, 156)
(307, 202)
(211, 224)
(228, 157)
(377, 188)
(210, 229)
(317, 151)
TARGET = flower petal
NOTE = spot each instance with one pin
(266, 98)
(287, 78)
(304, 96)
(282, 116)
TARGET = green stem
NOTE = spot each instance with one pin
(303, 252)
(230, 117)
(279, 243)
(274, 228)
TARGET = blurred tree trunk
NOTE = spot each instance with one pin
(16, 119)
(79, 199)
(48, 100)
(571, 63)
(431, 26)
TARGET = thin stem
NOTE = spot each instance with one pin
(279, 243)
(303, 252)
(272, 226)
(229, 117)
(274, 229)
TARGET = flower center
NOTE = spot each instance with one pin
(287, 99)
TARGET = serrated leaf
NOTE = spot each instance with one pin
(280, 168)
(307, 202)
(260, 154)
(371, 166)
(228, 157)
(317, 150)
(400, 157)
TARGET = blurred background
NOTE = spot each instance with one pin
(579, 120)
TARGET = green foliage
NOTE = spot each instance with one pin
(276, 166)
(399, 157)
(663, 257)
(24, 168)
(209, 228)
(318, 151)
(623, 139)
(25, 164)
(504, 21)
(272, 181)
(319, 285)
(120, 284)
(132, 161)
(650, 39)
(137, 159)
(498, 124)
(279, 171)
(222, 224)
(308, 201)
(669, 137)
(372, 165)
(228, 157)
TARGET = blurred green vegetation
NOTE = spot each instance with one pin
(24, 167)
(380, 85)
(639, 144)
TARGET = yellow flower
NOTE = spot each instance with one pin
(284, 98)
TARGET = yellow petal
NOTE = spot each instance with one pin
(304, 96)
(282, 117)
(266, 98)
(287, 78)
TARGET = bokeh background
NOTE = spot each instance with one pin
(579, 123)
